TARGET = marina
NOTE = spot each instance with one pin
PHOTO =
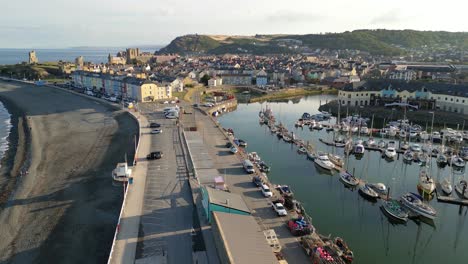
(311, 183)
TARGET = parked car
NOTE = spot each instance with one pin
(113, 99)
(266, 191)
(279, 208)
(154, 155)
(257, 181)
(209, 104)
(154, 125)
(156, 131)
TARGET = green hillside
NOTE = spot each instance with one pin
(377, 42)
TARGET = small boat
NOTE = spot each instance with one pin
(348, 179)
(462, 188)
(371, 142)
(121, 172)
(436, 138)
(404, 146)
(383, 132)
(359, 148)
(424, 135)
(381, 144)
(457, 161)
(391, 144)
(336, 160)
(408, 156)
(441, 160)
(368, 192)
(263, 167)
(322, 161)
(319, 126)
(446, 186)
(302, 150)
(426, 183)
(340, 142)
(379, 187)
(273, 129)
(287, 138)
(254, 157)
(234, 150)
(394, 209)
(242, 143)
(311, 155)
(343, 250)
(403, 134)
(415, 203)
(390, 153)
(354, 129)
(365, 130)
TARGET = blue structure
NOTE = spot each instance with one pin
(214, 200)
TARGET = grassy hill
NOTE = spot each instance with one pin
(377, 42)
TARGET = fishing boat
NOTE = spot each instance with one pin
(302, 150)
(441, 160)
(390, 153)
(462, 188)
(446, 186)
(343, 250)
(415, 203)
(121, 172)
(395, 209)
(408, 156)
(457, 161)
(368, 192)
(426, 183)
(379, 187)
(336, 160)
(233, 150)
(348, 179)
(322, 161)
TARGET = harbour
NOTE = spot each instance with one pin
(341, 211)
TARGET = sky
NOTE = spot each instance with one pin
(118, 23)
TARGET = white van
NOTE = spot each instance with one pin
(266, 191)
(248, 166)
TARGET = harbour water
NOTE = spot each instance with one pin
(341, 211)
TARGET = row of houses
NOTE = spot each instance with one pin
(443, 97)
(138, 89)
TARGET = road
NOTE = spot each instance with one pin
(166, 221)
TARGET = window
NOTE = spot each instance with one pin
(457, 100)
(451, 99)
(349, 95)
(463, 101)
(349, 102)
(367, 94)
(356, 103)
(445, 98)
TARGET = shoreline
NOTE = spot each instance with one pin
(18, 151)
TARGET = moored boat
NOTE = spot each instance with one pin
(390, 153)
(441, 160)
(336, 160)
(348, 178)
(458, 162)
(426, 183)
(322, 161)
(394, 209)
(446, 186)
(368, 192)
(343, 250)
(415, 203)
(408, 156)
(379, 188)
(121, 172)
(302, 150)
(462, 188)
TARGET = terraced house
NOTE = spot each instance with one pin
(140, 90)
(445, 97)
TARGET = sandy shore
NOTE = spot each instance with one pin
(65, 209)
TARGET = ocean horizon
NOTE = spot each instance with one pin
(90, 54)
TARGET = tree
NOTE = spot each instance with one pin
(205, 79)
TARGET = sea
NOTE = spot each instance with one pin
(341, 211)
(5, 128)
(95, 55)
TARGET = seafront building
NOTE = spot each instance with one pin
(429, 96)
(140, 90)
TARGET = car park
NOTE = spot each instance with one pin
(154, 155)
(279, 208)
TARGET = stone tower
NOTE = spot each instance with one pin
(132, 54)
(79, 61)
(32, 57)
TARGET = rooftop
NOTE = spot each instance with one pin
(244, 245)
(227, 199)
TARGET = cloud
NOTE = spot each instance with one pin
(285, 16)
(392, 16)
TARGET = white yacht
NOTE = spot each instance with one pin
(121, 172)
(322, 161)
(426, 183)
(390, 153)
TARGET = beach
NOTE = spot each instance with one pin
(58, 201)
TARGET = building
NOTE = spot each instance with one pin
(221, 201)
(239, 239)
(213, 82)
(132, 54)
(32, 57)
(79, 61)
(137, 89)
(237, 79)
(451, 98)
(116, 60)
(261, 79)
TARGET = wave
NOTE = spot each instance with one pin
(5, 129)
